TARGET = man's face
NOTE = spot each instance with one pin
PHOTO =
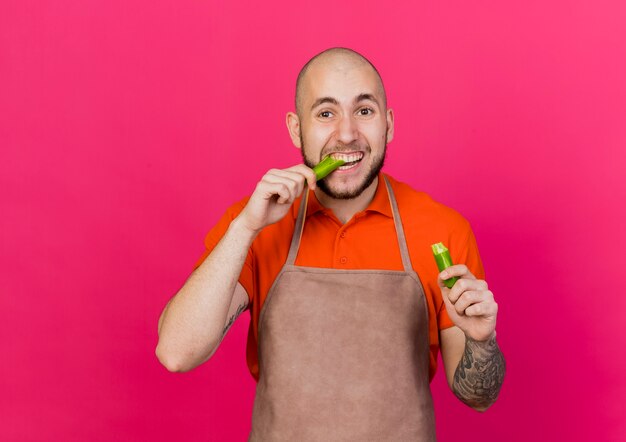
(343, 114)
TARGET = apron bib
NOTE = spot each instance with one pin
(344, 354)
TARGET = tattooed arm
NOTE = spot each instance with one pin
(474, 364)
(238, 305)
(475, 369)
(192, 325)
(240, 309)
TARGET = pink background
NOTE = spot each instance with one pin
(127, 128)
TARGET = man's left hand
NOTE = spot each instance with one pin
(469, 303)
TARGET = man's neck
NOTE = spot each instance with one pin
(344, 210)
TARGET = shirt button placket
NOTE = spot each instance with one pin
(343, 259)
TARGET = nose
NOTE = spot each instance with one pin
(347, 132)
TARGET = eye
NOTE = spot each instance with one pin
(325, 114)
(366, 111)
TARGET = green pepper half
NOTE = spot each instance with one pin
(326, 166)
(442, 257)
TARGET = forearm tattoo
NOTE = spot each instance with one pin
(480, 373)
(239, 311)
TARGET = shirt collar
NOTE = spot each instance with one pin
(380, 203)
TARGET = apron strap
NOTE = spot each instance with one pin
(297, 233)
(404, 249)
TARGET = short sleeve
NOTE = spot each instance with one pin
(470, 256)
(215, 235)
(463, 250)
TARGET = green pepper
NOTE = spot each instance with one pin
(442, 257)
(326, 166)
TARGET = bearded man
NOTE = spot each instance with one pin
(348, 308)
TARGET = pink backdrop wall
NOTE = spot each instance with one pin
(127, 127)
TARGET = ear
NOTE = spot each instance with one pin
(293, 125)
(389, 125)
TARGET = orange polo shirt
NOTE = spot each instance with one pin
(367, 241)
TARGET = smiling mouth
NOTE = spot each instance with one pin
(351, 158)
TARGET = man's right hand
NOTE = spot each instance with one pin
(274, 195)
(192, 326)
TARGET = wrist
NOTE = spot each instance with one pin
(491, 337)
(239, 227)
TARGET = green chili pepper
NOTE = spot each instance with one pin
(442, 257)
(326, 166)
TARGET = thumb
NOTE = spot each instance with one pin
(443, 275)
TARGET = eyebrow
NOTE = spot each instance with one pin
(323, 100)
(331, 100)
(366, 97)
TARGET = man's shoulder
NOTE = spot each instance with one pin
(418, 206)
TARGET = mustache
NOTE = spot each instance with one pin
(346, 148)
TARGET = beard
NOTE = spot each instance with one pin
(372, 173)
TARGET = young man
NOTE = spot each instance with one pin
(348, 307)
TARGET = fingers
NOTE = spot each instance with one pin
(482, 309)
(269, 189)
(459, 270)
(471, 297)
(287, 183)
(476, 303)
(274, 194)
(284, 186)
(305, 171)
(463, 285)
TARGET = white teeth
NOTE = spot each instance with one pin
(348, 166)
(348, 158)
